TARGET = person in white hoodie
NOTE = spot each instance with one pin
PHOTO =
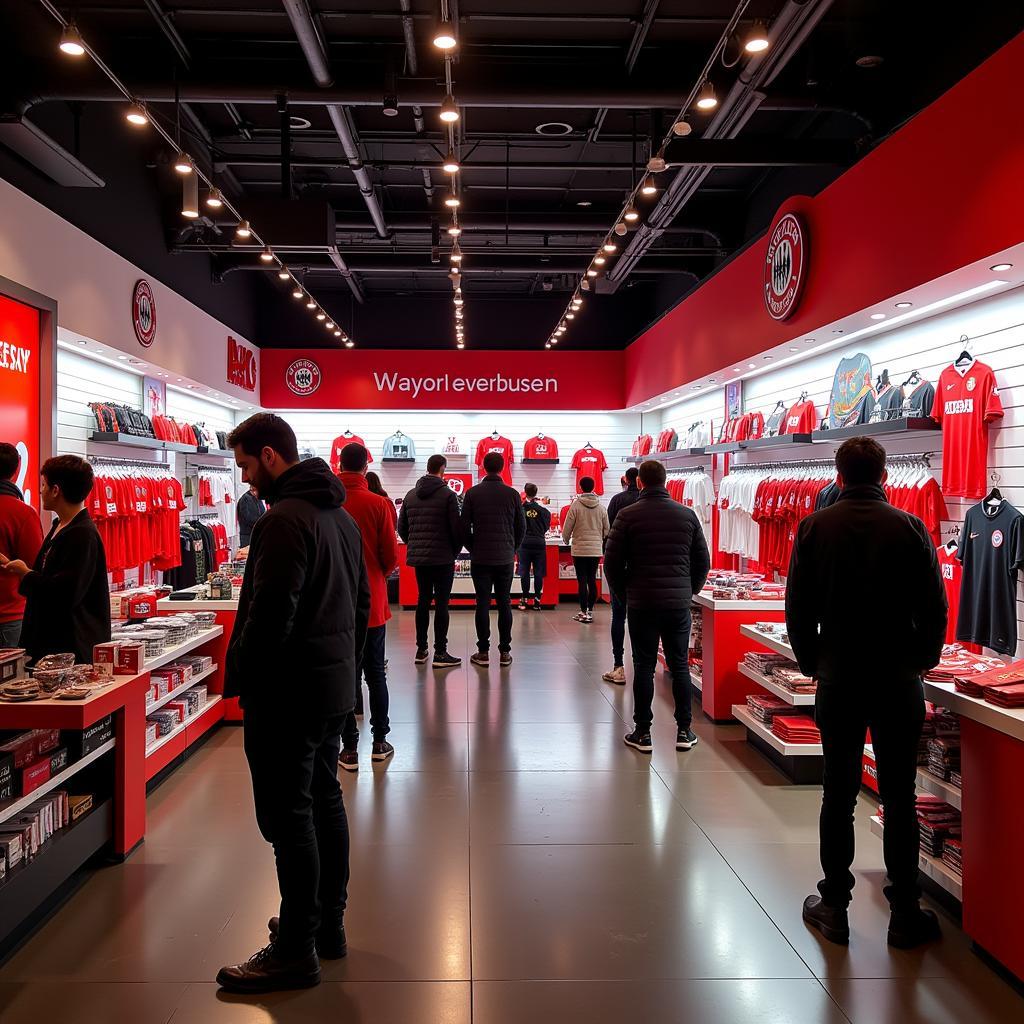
(585, 530)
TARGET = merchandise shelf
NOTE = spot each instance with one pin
(178, 691)
(797, 699)
(182, 736)
(773, 645)
(933, 867)
(1009, 721)
(716, 604)
(149, 443)
(925, 426)
(13, 807)
(724, 448)
(762, 731)
(781, 441)
(944, 790)
(389, 459)
(676, 455)
(539, 462)
(178, 650)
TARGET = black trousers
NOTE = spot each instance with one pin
(672, 627)
(894, 711)
(433, 583)
(586, 580)
(496, 578)
(619, 631)
(371, 665)
(293, 761)
(532, 560)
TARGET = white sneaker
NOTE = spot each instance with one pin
(580, 617)
(617, 675)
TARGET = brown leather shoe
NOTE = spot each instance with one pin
(832, 922)
(266, 971)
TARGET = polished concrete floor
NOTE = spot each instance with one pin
(514, 862)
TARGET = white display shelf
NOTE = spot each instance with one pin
(172, 653)
(1009, 721)
(798, 699)
(15, 807)
(930, 784)
(742, 714)
(934, 867)
(773, 645)
(178, 691)
(182, 726)
(716, 604)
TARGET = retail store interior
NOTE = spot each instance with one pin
(724, 237)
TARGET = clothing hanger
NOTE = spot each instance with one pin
(950, 546)
(494, 434)
(346, 432)
(540, 435)
(994, 498)
(914, 378)
(965, 355)
(802, 398)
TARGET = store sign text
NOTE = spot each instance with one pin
(14, 357)
(241, 365)
(498, 384)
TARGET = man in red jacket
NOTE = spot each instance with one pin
(375, 518)
(21, 537)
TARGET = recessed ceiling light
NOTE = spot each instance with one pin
(751, 366)
(554, 128)
(767, 359)
(712, 380)
(808, 341)
(736, 369)
(1000, 267)
(903, 305)
(793, 349)
(584, 202)
(877, 316)
(192, 387)
(123, 359)
(695, 387)
(83, 343)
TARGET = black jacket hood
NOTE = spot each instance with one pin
(312, 481)
(10, 490)
(428, 485)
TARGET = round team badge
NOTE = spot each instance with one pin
(971, 383)
(997, 539)
(302, 377)
(144, 313)
(785, 267)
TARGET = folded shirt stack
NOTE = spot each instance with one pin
(789, 676)
(956, 779)
(764, 662)
(796, 729)
(1005, 696)
(953, 855)
(974, 684)
(938, 822)
(764, 707)
(958, 661)
(943, 756)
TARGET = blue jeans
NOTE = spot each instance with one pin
(10, 633)
(372, 665)
(532, 560)
(618, 631)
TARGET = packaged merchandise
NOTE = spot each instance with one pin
(12, 664)
(80, 805)
(6, 777)
(32, 776)
(152, 734)
(59, 760)
(10, 849)
(22, 748)
(85, 741)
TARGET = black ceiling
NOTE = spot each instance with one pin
(534, 207)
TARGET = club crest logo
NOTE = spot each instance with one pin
(785, 267)
(971, 383)
(997, 538)
(302, 377)
(144, 313)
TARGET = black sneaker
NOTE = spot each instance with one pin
(911, 928)
(421, 655)
(382, 750)
(349, 760)
(535, 605)
(265, 971)
(522, 604)
(832, 922)
(506, 659)
(481, 658)
(330, 944)
(639, 741)
(685, 739)
(445, 660)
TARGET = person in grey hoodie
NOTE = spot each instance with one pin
(585, 530)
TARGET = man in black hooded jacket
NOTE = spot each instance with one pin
(429, 526)
(292, 660)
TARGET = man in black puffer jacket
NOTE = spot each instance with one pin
(493, 527)
(655, 561)
(429, 525)
(292, 659)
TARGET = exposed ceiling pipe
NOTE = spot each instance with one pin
(413, 66)
(787, 34)
(316, 57)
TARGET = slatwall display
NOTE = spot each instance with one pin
(81, 380)
(612, 433)
(995, 329)
(188, 408)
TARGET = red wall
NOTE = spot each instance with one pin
(944, 191)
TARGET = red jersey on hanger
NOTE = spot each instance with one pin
(339, 442)
(541, 448)
(951, 569)
(501, 445)
(800, 419)
(590, 462)
(966, 402)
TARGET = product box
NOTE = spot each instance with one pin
(152, 734)
(6, 777)
(80, 805)
(178, 708)
(130, 658)
(104, 657)
(12, 664)
(23, 833)
(46, 740)
(30, 778)
(10, 849)
(85, 741)
(35, 829)
(59, 760)
(21, 747)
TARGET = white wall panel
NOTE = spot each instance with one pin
(81, 380)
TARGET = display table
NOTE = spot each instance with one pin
(992, 765)
(226, 611)
(722, 683)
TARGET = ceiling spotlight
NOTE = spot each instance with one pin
(183, 163)
(297, 294)
(903, 305)
(577, 303)
(71, 41)
(453, 274)
(877, 316)
(337, 334)
(214, 199)
(706, 99)
(349, 343)
(267, 256)
(321, 316)
(585, 285)
(632, 214)
(757, 39)
(451, 163)
(330, 325)
(682, 128)
(136, 115)
(621, 228)
(609, 247)
(547, 344)
(591, 272)
(455, 231)
(456, 254)
(244, 231)
(444, 37)
(190, 197)
(570, 316)
(459, 300)
(649, 188)
(311, 304)
(460, 345)
(389, 107)
(554, 341)
(600, 260)
(1000, 267)
(657, 164)
(283, 274)
(449, 111)
(452, 201)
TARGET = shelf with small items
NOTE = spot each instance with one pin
(179, 690)
(676, 455)
(932, 784)
(934, 868)
(796, 699)
(150, 443)
(768, 641)
(539, 462)
(404, 458)
(923, 425)
(764, 732)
